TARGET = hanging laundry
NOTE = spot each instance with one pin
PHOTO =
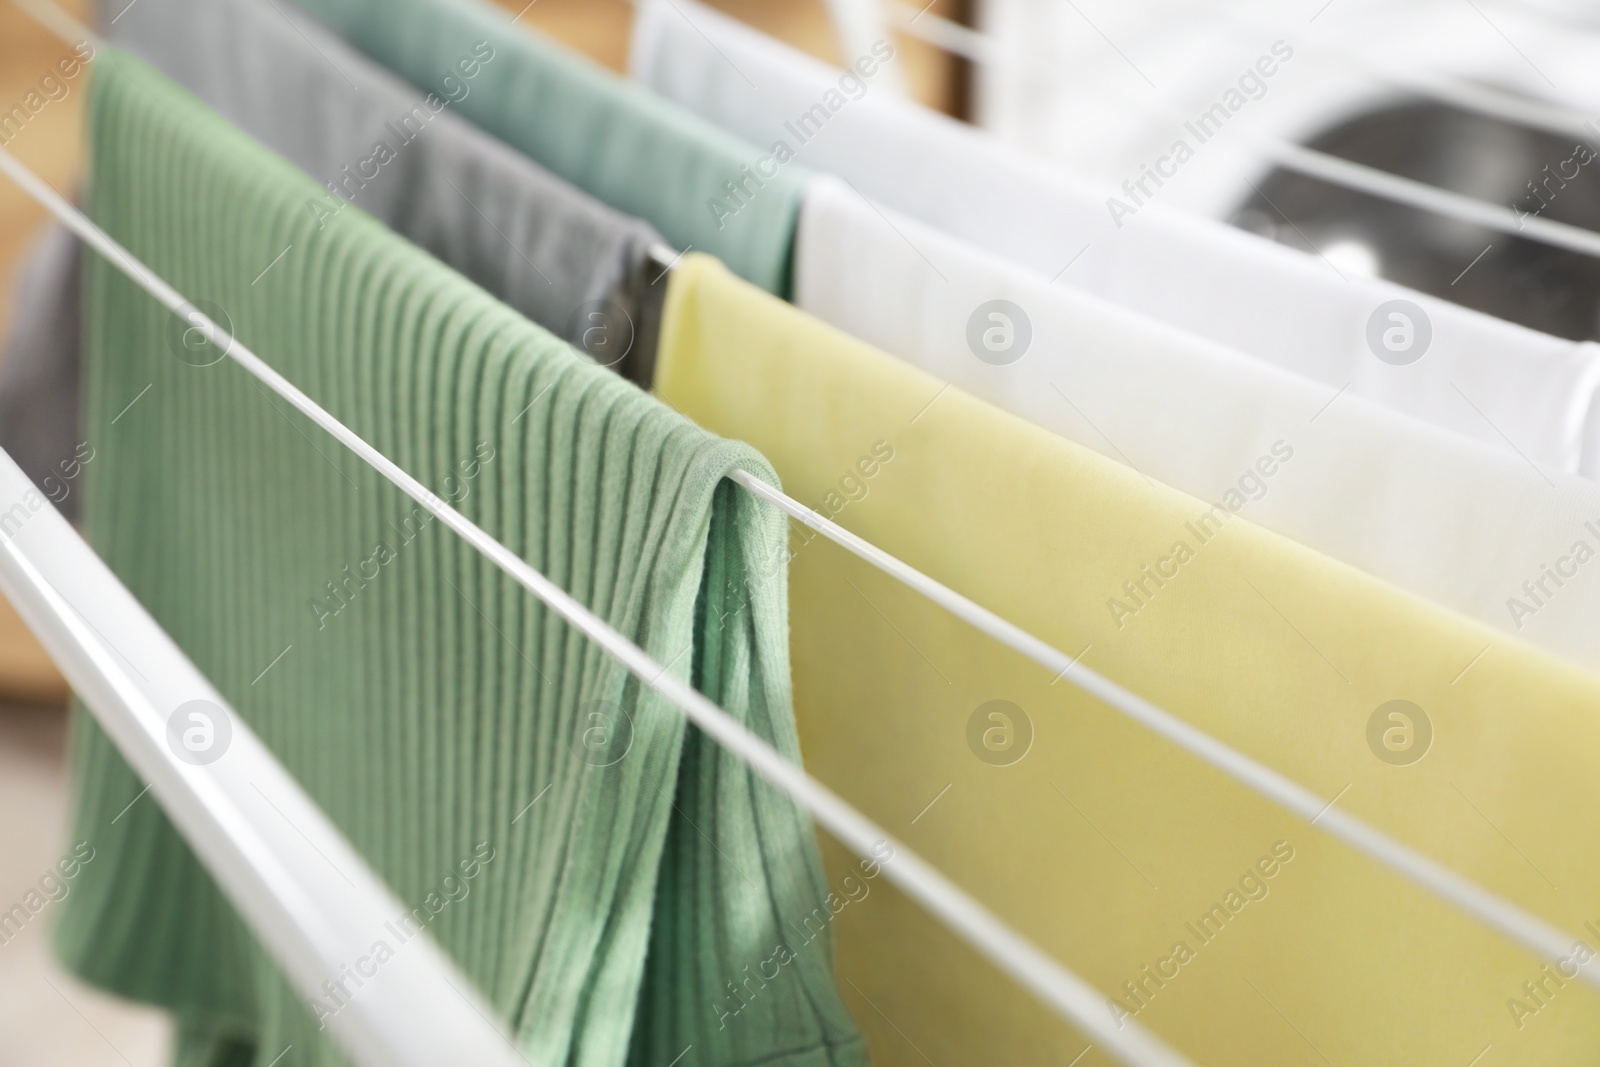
(1472, 374)
(1184, 897)
(1468, 526)
(607, 876)
(701, 187)
(561, 258)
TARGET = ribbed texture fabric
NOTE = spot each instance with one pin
(635, 151)
(1102, 842)
(442, 718)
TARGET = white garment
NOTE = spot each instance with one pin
(1458, 523)
(1480, 377)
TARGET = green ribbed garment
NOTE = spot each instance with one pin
(433, 708)
(615, 140)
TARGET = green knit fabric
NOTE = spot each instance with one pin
(437, 712)
(613, 139)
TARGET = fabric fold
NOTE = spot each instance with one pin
(1467, 372)
(548, 820)
(1195, 906)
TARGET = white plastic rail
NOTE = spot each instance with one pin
(309, 897)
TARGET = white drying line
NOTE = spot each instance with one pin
(1358, 176)
(1532, 932)
(1393, 187)
(1073, 999)
(1547, 115)
(1381, 183)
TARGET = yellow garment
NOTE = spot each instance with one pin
(1104, 843)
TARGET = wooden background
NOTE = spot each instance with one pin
(52, 145)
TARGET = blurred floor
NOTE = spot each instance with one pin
(47, 1019)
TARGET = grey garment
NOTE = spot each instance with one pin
(563, 259)
(546, 248)
(39, 375)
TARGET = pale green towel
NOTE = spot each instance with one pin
(428, 704)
